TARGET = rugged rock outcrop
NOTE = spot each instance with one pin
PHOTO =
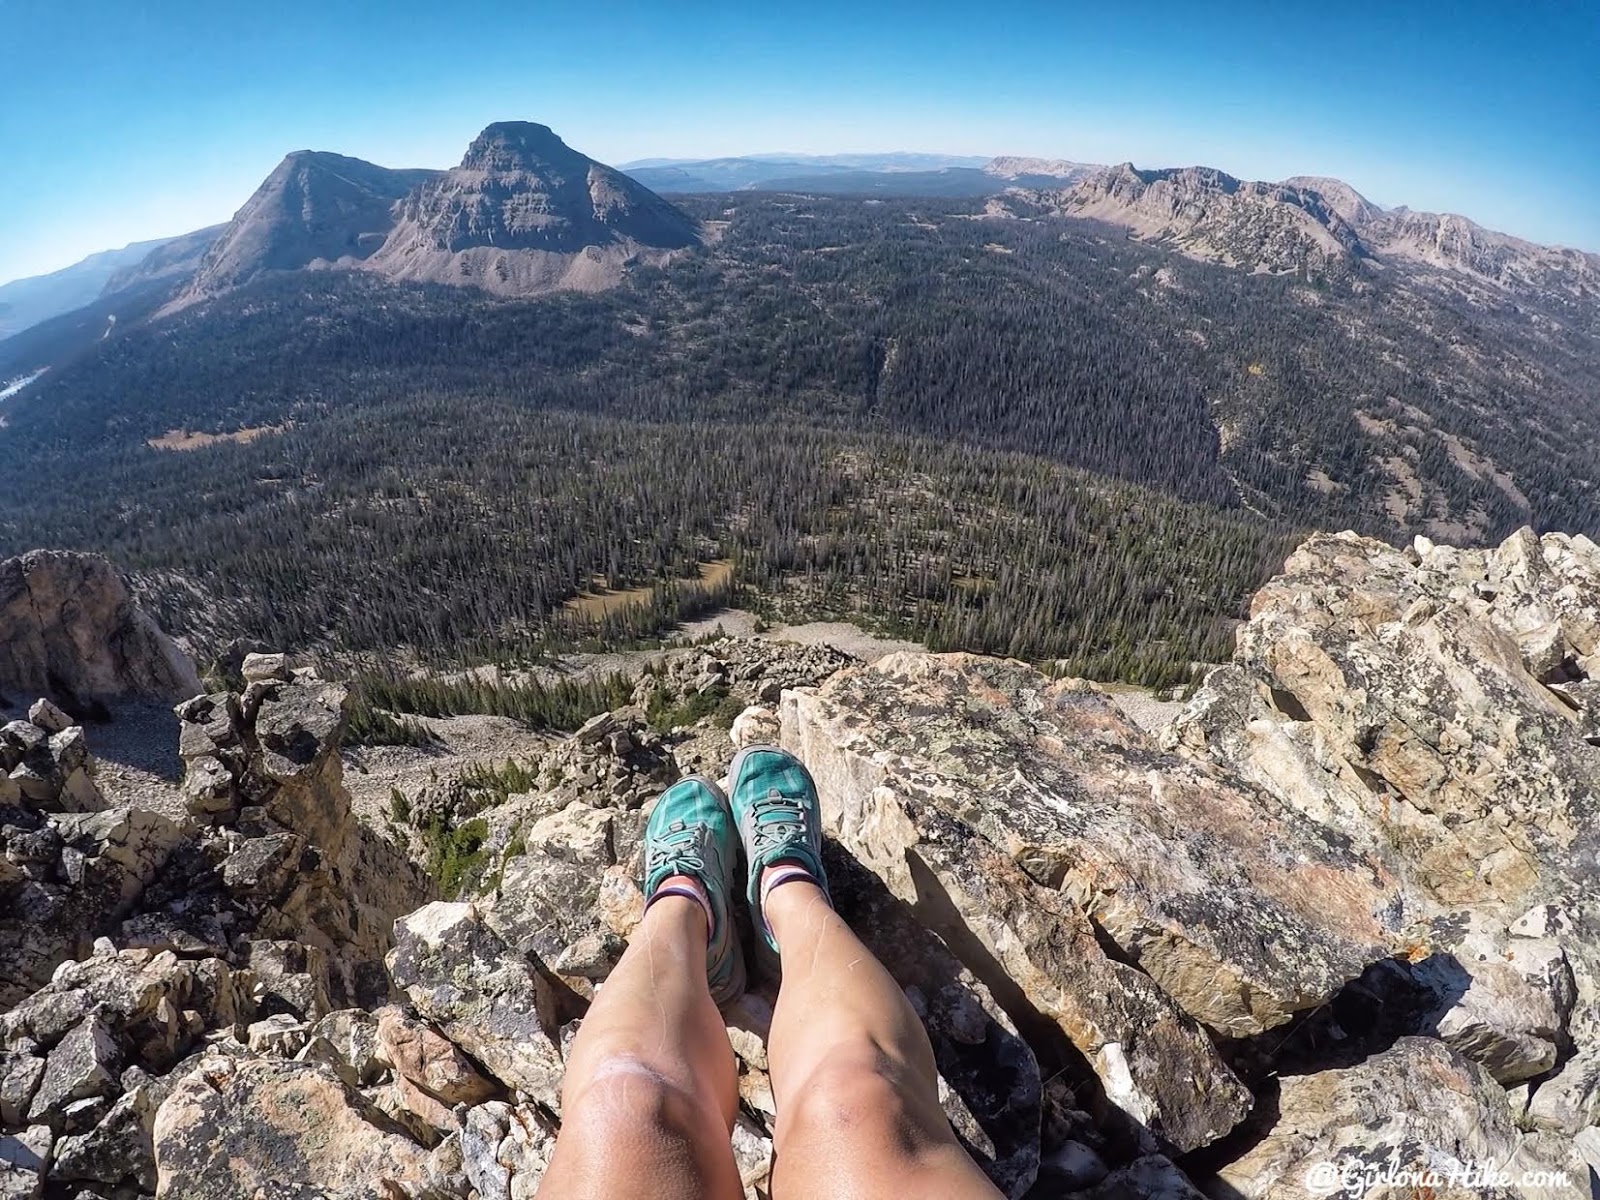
(1274, 227)
(1314, 225)
(69, 629)
(1340, 912)
(1418, 1119)
(1432, 706)
(286, 857)
(1219, 893)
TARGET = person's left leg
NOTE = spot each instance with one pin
(651, 1088)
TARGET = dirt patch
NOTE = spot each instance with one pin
(136, 758)
(184, 439)
(841, 635)
(1142, 706)
(597, 604)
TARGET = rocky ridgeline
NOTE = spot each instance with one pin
(1341, 908)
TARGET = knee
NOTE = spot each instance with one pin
(626, 1093)
(851, 1096)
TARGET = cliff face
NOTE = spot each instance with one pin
(1341, 909)
(69, 628)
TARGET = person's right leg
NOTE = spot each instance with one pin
(852, 1070)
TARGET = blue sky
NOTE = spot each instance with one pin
(122, 119)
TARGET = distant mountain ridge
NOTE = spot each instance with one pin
(524, 213)
(171, 260)
(1312, 225)
(857, 174)
(27, 302)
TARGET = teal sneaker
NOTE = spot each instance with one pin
(691, 832)
(779, 818)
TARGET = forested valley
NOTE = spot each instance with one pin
(1028, 437)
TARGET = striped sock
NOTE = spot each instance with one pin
(774, 877)
(694, 890)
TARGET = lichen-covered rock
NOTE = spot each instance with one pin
(1237, 906)
(1387, 695)
(1569, 1100)
(487, 999)
(143, 996)
(261, 668)
(82, 873)
(1418, 1105)
(549, 895)
(1504, 1002)
(119, 1148)
(243, 1128)
(505, 1150)
(48, 717)
(1155, 1066)
(20, 1073)
(353, 1035)
(83, 1063)
(431, 1062)
(756, 724)
(70, 628)
(307, 870)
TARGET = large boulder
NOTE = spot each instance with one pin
(1239, 908)
(1379, 1129)
(69, 628)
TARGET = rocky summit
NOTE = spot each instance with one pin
(1339, 910)
(524, 212)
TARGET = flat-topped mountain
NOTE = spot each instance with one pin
(524, 212)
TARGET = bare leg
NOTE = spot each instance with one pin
(650, 1091)
(852, 1072)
